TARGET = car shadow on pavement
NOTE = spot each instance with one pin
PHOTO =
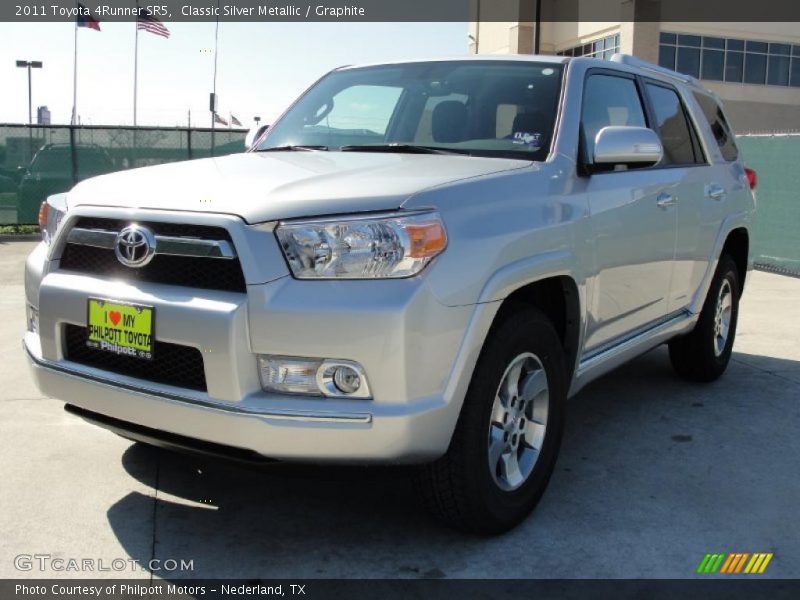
(622, 434)
(237, 520)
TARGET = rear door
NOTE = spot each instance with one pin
(722, 191)
(685, 159)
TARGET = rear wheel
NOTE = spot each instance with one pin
(703, 354)
(507, 438)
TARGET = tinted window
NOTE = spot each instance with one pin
(778, 72)
(672, 126)
(795, 75)
(713, 65)
(755, 68)
(712, 42)
(734, 67)
(689, 61)
(609, 100)
(666, 57)
(719, 126)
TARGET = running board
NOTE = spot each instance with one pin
(604, 360)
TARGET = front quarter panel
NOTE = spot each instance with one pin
(507, 230)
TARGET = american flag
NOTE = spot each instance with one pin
(235, 121)
(220, 120)
(151, 24)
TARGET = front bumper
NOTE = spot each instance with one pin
(413, 349)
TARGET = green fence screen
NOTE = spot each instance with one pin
(36, 161)
(776, 239)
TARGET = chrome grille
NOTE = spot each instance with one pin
(196, 256)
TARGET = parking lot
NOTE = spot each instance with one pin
(654, 473)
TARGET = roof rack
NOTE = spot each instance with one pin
(627, 59)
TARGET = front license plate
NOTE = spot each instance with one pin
(120, 328)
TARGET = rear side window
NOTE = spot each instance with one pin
(719, 126)
(609, 100)
(673, 127)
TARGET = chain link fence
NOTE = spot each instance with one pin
(776, 238)
(39, 160)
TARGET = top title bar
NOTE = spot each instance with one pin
(404, 10)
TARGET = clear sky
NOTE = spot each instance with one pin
(261, 68)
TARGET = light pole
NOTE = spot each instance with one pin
(29, 64)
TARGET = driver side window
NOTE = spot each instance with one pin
(609, 100)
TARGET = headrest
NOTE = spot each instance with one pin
(530, 122)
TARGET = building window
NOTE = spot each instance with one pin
(603, 48)
(731, 60)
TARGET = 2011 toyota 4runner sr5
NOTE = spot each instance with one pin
(418, 263)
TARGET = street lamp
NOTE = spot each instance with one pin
(29, 64)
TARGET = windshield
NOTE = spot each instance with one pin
(481, 108)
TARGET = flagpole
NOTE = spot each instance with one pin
(135, 67)
(214, 84)
(75, 79)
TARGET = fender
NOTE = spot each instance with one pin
(734, 221)
(528, 270)
(499, 286)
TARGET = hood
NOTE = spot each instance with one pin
(267, 186)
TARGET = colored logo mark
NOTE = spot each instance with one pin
(735, 563)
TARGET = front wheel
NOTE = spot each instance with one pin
(703, 354)
(507, 438)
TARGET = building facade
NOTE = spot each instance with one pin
(753, 67)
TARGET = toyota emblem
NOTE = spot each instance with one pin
(135, 246)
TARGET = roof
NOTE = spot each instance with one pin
(535, 58)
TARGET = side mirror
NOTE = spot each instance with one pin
(629, 146)
(253, 135)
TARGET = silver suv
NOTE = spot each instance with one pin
(418, 263)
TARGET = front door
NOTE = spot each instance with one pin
(633, 218)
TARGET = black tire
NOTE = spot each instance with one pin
(696, 356)
(460, 488)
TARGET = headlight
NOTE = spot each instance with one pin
(51, 214)
(386, 246)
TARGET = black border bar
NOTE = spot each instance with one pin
(428, 589)
(712, 11)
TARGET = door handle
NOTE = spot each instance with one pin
(665, 200)
(716, 192)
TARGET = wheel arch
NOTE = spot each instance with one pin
(737, 246)
(558, 298)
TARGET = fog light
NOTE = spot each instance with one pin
(346, 379)
(32, 318)
(343, 379)
(313, 377)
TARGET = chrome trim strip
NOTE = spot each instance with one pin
(278, 414)
(605, 353)
(96, 238)
(165, 244)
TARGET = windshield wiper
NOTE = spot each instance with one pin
(293, 148)
(401, 148)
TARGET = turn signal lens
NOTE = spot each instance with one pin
(427, 239)
(43, 210)
(51, 213)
